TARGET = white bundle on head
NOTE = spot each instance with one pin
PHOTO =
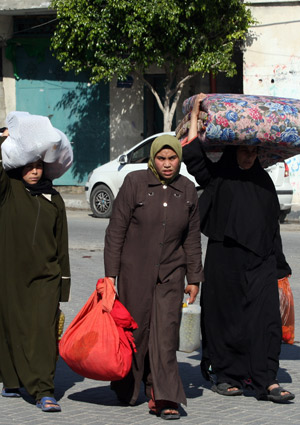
(32, 137)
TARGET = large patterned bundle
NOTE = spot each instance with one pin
(272, 123)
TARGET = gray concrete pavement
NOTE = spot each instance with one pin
(76, 200)
(87, 402)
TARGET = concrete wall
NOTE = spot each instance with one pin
(7, 85)
(127, 111)
(15, 7)
(126, 116)
(272, 60)
(8, 9)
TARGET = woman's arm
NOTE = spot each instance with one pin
(116, 231)
(283, 268)
(4, 179)
(193, 131)
(197, 163)
(192, 249)
(63, 249)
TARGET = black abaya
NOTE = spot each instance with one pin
(241, 323)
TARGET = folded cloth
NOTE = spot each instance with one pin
(272, 123)
(184, 125)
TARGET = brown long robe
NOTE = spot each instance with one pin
(153, 236)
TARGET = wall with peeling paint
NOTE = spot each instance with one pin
(272, 59)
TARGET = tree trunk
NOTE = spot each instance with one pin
(168, 118)
(171, 99)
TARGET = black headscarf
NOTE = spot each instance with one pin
(240, 204)
(43, 186)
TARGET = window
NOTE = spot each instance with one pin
(27, 26)
(142, 153)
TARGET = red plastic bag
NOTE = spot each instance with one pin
(287, 310)
(98, 343)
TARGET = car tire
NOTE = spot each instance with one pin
(101, 201)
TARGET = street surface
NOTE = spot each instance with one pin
(86, 402)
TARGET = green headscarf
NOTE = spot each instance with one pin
(165, 141)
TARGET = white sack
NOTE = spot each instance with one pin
(32, 137)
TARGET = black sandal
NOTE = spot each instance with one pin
(223, 389)
(276, 395)
(166, 413)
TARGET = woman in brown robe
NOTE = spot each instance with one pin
(151, 244)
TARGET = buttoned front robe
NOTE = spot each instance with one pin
(151, 244)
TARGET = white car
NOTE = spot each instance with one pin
(105, 181)
(280, 175)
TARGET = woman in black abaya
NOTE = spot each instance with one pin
(241, 322)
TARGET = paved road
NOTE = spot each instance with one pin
(87, 402)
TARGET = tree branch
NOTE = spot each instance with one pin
(153, 91)
(181, 83)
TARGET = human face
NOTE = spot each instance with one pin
(246, 155)
(32, 172)
(5, 133)
(166, 163)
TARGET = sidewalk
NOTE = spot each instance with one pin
(89, 402)
(76, 200)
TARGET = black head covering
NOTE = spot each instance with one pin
(43, 186)
(240, 204)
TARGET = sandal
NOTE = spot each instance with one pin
(224, 388)
(165, 409)
(169, 413)
(10, 392)
(276, 396)
(48, 404)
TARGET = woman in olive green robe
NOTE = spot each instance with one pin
(34, 278)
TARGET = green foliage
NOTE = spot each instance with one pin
(116, 37)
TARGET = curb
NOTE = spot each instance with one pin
(76, 204)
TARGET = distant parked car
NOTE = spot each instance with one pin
(105, 181)
(280, 175)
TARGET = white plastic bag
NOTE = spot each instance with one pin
(32, 137)
(189, 331)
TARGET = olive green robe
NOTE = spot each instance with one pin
(34, 277)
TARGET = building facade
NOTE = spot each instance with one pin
(103, 120)
(272, 59)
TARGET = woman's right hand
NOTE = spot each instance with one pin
(197, 103)
(193, 131)
(113, 279)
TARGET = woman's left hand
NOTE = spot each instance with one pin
(192, 290)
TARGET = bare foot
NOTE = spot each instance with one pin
(233, 389)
